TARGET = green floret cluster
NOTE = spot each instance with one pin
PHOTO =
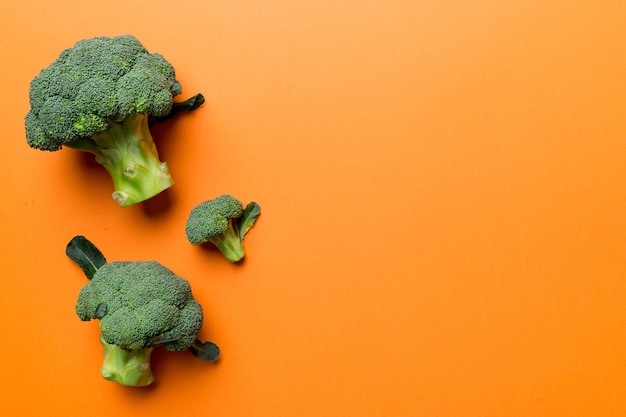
(99, 97)
(98, 81)
(224, 222)
(155, 304)
(140, 305)
(212, 218)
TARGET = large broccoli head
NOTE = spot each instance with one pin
(98, 97)
(141, 305)
(98, 81)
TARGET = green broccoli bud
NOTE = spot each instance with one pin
(223, 222)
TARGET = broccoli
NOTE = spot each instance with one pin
(101, 96)
(140, 305)
(223, 222)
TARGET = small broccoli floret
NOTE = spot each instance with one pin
(140, 305)
(223, 222)
(99, 97)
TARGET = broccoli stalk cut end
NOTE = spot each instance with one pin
(127, 151)
(129, 367)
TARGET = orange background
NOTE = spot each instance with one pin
(443, 187)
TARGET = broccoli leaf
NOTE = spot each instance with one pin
(170, 336)
(85, 254)
(101, 310)
(190, 104)
(207, 351)
(247, 219)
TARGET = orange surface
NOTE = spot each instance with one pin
(443, 186)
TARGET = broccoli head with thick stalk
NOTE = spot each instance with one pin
(101, 96)
(224, 222)
(140, 305)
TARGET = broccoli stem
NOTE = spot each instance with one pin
(127, 366)
(229, 242)
(126, 149)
